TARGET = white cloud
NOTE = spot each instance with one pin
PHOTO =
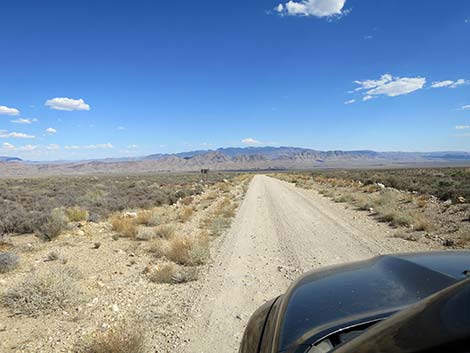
(19, 135)
(8, 111)
(317, 8)
(462, 127)
(132, 147)
(251, 141)
(26, 148)
(351, 101)
(368, 37)
(53, 147)
(121, 128)
(24, 121)
(389, 85)
(51, 130)
(449, 83)
(89, 147)
(67, 104)
(465, 107)
(366, 98)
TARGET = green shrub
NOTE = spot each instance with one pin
(53, 225)
(76, 214)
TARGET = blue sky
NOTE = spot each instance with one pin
(82, 79)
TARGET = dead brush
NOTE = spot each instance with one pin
(125, 227)
(127, 338)
(226, 208)
(421, 201)
(143, 217)
(188, 251)
(163, 273)
(185, 214)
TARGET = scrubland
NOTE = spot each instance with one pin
(90, 263)
(418, 203)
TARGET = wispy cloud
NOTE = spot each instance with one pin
(465, 107)
(250, 141)
(24, 121)
(120, 128)
(89, 147)
(6, 146)
(317, 8)
(462, 127)
(449, 83)
(390, 86)
(18, 135)
(4, 110)
(67, 104)
(351, 101)
(51, 130)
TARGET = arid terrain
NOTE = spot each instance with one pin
(180, 278)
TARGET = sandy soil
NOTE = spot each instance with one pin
(280, 232)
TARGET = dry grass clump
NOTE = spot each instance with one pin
(76, 214)
(395, 217)
(188, 251)
(226, 208)
(144, 217)
(344, 198)
(163, 273)
(43, 291)
(124, 226)
(165, 231)
(423, 224)
(53, 225)
(185, 214)
(8, 262)
(421, 201)
(123, 339)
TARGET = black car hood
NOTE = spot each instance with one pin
(334, 296)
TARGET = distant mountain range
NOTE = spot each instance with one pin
(233, 158)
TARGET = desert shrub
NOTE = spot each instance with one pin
(144, 217)
(126, 338)
(217, 225)
(363, 202)
(145, 233)
(394, 217)
(165, 231)
(155, 219)
(53, 225)
(226, 208)
(343, 198)
(8, 261)
(124, 226)
(76, 214)
(188, 251)
(43, 291)
(422, 223)
(163, 273)
(185, 214)
(421, 201)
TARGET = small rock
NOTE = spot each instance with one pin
(461, 199)
(115, 308)
(96, 245)
(448, 242)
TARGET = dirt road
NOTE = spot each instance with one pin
(280, 232)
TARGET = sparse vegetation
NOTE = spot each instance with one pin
(26, 202)
(185, 214)
(43, 291)
(53, 225)
(76, 214)
(127, 338)
(188, 251)
(165, 231)
(164, 273)
(124, 226)
(8, 261)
